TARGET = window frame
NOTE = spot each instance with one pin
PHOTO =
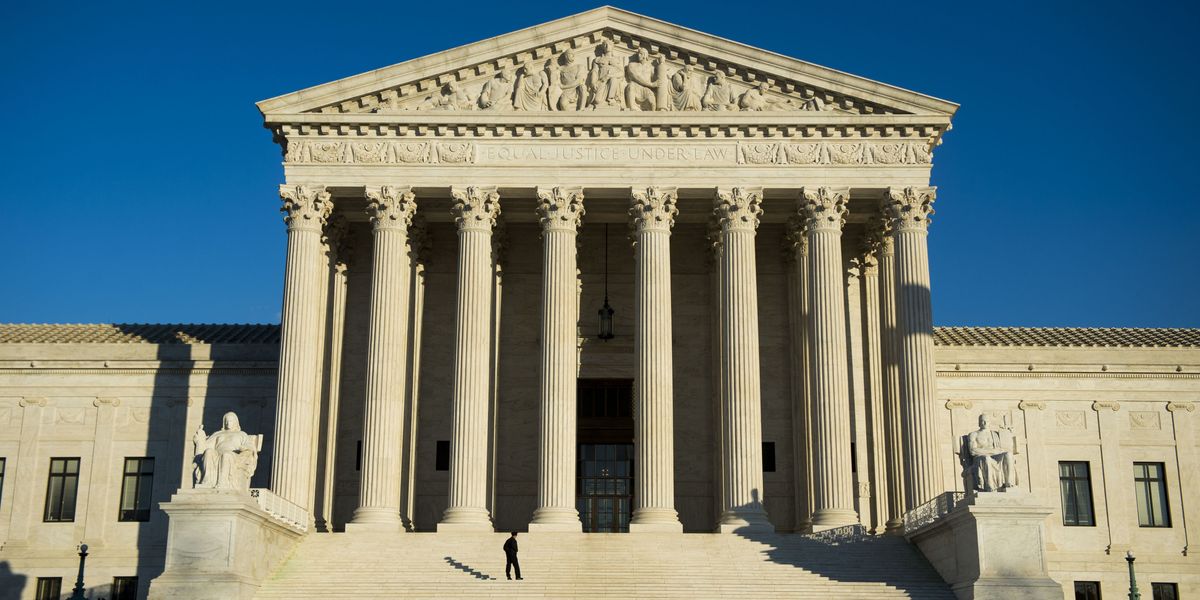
(1157, 585)
(1142, 487)
(1097, 587)
(119, 584)
(55, 593)
(54, 511)
(1072, 480)
(143, 479)
(3, 469)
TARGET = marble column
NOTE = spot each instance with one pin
(796, 257)
(877, 447)
(559, 210)
(341, 248)
(833, 489)
(306, 209)
(909, 209)
(893, 432)
(475, 212)
(653, 211)
(420, 248)
(391, 210)
(737, 211)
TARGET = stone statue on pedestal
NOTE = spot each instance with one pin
(225, 460)
(992, 452)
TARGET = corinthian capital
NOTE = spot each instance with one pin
(795, 239)
(878, 238)
(475, 207)
(305, 206)
(653, 209)
(737, 209)
(910, 207)
(825, 208)
(560, 208)
(390, 206)
(420, 245)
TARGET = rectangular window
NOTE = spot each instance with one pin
(49, 588)
(3, 461)
(442, 458)
(1087, 590)
(1164, 591)
(768, 449)
(1150, 487)
(1075, 483)
(358, 457)
(124, 588)
(61, 490)
(136, 487)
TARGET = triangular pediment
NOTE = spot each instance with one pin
(606, 60)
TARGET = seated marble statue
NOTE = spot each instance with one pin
(226, 460)
(992, 452)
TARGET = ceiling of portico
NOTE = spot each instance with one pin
(609, 63)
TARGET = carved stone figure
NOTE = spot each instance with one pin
(755, 98)
(685, 94)
(532, 89)
(451, 97)
(497, 93)
(225, 460)
(570, 80)
(992, 452)
(662, 85)
(639, 91)
(606, 81)
(719, 95)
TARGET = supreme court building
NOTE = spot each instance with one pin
(605, 275)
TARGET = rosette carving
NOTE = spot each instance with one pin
(825, 208)
(475, 207)
(738, 209)
(305, 206)
(391, 206)
(910, 208)
(653, 209)
(560, 208)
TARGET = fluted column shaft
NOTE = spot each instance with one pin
(475, 210)
(338, 234)
(873, 351)
(653, 213)
(893, 433)
(737, 211)
(559, 210)
(910, 209)
(833, 484)
(306, 209)
(390, 209)
(796, 256)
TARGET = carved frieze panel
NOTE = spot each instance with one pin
(1144, 419)
(605, 70)
(1071, 419)
(642, 152)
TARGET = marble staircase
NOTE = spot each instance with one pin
(843, 564)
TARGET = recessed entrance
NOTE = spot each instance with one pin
(604, 472)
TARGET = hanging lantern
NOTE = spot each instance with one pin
(605, 330)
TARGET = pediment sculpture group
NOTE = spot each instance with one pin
(606, 82)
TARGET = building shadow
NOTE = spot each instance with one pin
(468, 570)
(851, 555)
(11, 584)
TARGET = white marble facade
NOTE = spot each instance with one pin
(759, 226)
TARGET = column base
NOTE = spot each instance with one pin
(832, 518)
(655, 520)
(465, 519)
(556, 519)
(744, 522)
(382, 520)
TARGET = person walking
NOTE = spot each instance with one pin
(510, 555)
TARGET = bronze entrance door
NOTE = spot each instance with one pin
(604, 459)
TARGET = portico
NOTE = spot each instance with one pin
(513, 164)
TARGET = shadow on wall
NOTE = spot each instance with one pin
(850, 555)
(11, 584)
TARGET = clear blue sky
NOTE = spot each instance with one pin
(1066, 196)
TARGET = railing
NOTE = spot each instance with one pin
(283, 510)
(931, 511)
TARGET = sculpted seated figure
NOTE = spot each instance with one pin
(992, 452)
(226, 460)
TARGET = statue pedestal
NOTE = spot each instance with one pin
(220, 544)
(992, 546)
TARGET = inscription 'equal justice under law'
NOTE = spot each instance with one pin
(631, 153)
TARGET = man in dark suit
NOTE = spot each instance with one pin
(510, 554)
